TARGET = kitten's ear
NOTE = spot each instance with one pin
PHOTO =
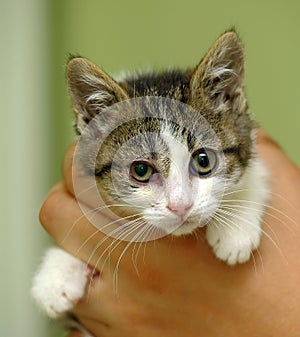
(91, 90)
(219, 76)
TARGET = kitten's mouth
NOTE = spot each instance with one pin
(187, 227)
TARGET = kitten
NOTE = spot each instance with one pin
(187, 159)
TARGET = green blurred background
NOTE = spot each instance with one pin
(36, 37)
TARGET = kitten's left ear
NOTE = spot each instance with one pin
(219, 76)
(91, 90)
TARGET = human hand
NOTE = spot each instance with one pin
(176, 287)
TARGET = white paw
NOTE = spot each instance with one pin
(59, 283)
(233, 246)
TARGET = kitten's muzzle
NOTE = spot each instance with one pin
(180, 209)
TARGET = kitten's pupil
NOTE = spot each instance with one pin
(203, 162)
(141, 169)
(141, 172)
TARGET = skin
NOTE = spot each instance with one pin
(181, 289)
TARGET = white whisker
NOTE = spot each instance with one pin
(244, 211)
(124, 233)
(236, 201)
(114, 232)
(134, 239)
(251, 224)
(277, 195)
(85, 190)
(146, 233)
(94, 210)
(104, 228)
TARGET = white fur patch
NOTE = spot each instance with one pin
(236, 228)
(178, 186)
(59, 282)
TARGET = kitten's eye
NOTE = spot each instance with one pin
(141, 171)
(203, 162)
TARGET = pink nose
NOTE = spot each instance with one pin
(179, 209)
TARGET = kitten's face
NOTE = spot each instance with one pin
(169, 172)
(168, 169)
(172, 186)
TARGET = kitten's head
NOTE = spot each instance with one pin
(164, 146)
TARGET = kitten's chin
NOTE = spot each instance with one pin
(187, 228)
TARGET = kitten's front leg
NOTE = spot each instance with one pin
(234, 243)
(59, 283)
(237, 230)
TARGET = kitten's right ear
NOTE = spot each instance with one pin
(91, 90)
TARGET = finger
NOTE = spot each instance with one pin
(82, 185)
(268, 149)
(284, 179)
(63, 219)
(264, 138)
(273, 155)
(98, 291)
(67, 168)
